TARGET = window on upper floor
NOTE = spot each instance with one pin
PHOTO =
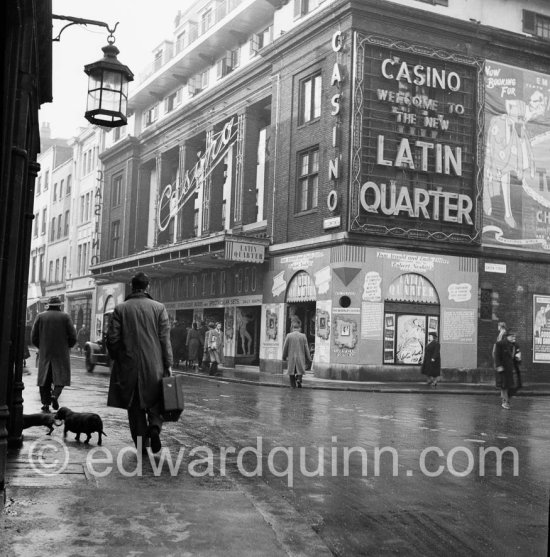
(169, 103)
(44, 217)
(52, 230)
(181, 41)
(38, 184)
(117, 133)
(310, 99)
(536, 24)
(261, 39)
(67, 222)
(203, 79)
(117, 191)
(115, 239)
(59, 226)
(69, 178)
(55, 191)
(63, 268)
(157, 61)
(57, 270)
(303, 7)
(46, 180)
(152, 115)
(308, 179)
(207, 20)
(50, 272)
(61, 184)
(88, 208)
(35, 227)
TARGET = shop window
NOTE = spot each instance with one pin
(411, 312)
(310, 99)
(536, 24)
(486, 304)
(308, 180)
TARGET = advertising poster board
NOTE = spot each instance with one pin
(516, 196)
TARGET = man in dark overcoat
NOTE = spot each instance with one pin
(296, 351)
(54, 334)
(138, 340)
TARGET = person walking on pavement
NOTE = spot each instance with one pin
(296, 351)
(213, 344)
(54, 334)
(504, 366)
(431, 365)
(138, 340)
(203, 329)
(82, 337)
(193, 346)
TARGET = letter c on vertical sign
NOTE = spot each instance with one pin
(337, 41)
(332, 200)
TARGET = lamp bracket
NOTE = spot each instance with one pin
(81, 21)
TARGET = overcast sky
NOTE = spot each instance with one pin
(143, 24)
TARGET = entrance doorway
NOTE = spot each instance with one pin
(304, 314)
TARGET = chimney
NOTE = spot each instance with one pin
(45, 131)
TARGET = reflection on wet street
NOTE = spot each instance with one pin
(370, 473)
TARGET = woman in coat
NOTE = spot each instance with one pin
(193, 346)
(296, 351)
(54, 335)
(431, 366)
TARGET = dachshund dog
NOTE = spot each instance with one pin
(81, 422)
(34, 420)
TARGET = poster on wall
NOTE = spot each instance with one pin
(541, 329)
(411, 337)
(516, 192)
(414, 142)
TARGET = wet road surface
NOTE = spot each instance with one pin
(353, 472)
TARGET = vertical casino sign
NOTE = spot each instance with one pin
(416, 134)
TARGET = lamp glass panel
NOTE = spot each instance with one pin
(110, 101)
(94, 100)
(112, 80)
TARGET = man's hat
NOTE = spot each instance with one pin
(140, 281)
(55, 301)
(211, 324)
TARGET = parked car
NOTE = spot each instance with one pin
(95, 353)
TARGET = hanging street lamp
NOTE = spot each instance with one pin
(107, 82)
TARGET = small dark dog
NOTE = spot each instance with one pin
(81, 422)
(47, 420)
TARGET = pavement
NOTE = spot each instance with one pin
(56, 503)
(251, 375)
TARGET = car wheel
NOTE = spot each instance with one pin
(89, 364)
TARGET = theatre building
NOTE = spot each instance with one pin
(375, 171)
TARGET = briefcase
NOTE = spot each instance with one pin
(172, 396)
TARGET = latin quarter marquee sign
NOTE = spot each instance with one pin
(415, 174)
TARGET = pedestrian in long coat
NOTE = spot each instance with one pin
(296, 351)
(213, 345)
(54, 334)
(193, 345)
(504, 365)
(431, 365)
(138, 340)
(178, 335)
